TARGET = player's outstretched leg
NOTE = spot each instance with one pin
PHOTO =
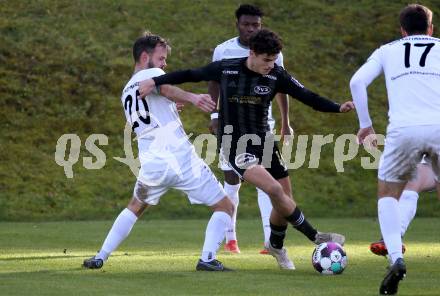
(300, 223)
(395, 274)
(215, 233)
(284, 209)
(119, 231)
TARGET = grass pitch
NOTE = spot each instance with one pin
(63, 65)
(159, 258)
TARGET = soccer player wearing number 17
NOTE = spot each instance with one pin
(411, 66)
(247, 86)
(168, 160)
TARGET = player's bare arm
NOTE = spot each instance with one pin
(283, 104)
(201, 101)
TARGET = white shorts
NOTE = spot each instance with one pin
(187, 173)
(405, 148)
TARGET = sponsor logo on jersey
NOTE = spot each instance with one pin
(230, 72)
(262, 89)
(245, 160)
(254, 100)
(296, 82)
(128, 88)
(270, 77)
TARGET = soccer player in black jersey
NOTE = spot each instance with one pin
(247, 86)
(249, 20)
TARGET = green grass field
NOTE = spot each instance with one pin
(159, 258)
(63, 65)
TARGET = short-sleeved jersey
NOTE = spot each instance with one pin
(245, 95)
(154, 119)
(412, 73)
(231, 49)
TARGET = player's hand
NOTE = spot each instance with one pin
(367, 137)
(146, 87)
(346, 107)
(286, 134)
(179, 106)
(203, 102)
(213, 126)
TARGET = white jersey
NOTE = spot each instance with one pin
(411, 66)
(154, 119)
(168, 159)
(232, 49)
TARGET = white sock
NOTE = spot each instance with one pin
(265, 209)
(407, 208)
(119, 231)
(389, 220)
(232, 192)
(215, 233)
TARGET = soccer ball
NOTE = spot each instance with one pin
(329, 258)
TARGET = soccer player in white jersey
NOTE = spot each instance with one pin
(411, 66)
(168, 159)
(248, 21)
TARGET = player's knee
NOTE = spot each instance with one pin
(229, 207)
(136, 207)
(413, 186)
(390, 189)
(224, 205)
(275, 191)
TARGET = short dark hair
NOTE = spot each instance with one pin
(148, 43)
(265, 41)
(415, 19)
(247, 9)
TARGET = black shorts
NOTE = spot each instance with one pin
(271, 159)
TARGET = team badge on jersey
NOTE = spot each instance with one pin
(262, 90)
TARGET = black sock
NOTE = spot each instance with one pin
(277, 235)
(301, 224)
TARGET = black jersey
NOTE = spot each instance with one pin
(245, 95)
